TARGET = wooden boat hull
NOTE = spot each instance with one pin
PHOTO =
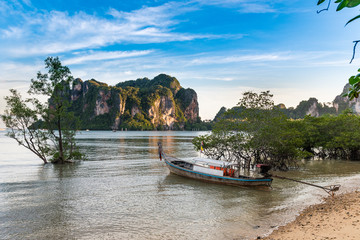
(246, 181)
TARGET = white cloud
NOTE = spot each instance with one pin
(234, 66)
(239, 58)
(160, 16)
(27, 2)
(245, 6)
(12, 32)
(96, 56)
(58, 32)
(256, 8)
(18, 71)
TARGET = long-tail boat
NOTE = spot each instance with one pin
(215, 171)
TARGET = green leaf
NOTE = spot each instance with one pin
(337, 1)
(320, 2)
(351, 96)
(342, 5)
(353, 3)
(345, 95)
(358, 16)
(352, 80)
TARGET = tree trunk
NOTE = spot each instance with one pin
(61, 153)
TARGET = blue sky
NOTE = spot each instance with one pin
(220, 48)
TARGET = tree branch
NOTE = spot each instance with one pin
(353, 56)
(325, 9)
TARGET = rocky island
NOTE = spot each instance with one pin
(142, 104)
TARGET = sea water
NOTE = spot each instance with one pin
(123, 191)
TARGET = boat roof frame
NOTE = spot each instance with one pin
(209, 162)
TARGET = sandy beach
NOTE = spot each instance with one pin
(336, 218)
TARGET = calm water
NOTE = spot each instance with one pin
(123, 191)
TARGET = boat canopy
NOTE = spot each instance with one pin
(210, 162)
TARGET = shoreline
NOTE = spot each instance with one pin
(335, 217)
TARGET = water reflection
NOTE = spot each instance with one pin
(32, 208)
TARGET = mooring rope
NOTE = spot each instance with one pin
(329, 189)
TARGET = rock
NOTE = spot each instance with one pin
(135, 104)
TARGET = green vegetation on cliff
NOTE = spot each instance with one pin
(142, 104)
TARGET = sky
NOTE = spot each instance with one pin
(219, 48)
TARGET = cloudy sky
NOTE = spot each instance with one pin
(220, 48)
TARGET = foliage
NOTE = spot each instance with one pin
(354, 81)
(199, 125)
(19, 118)
(329, 136)
(185, 97)
(253, 100)
(343, 4)
(59, 122)
(138, 122)
(262, 133)
(145, 83)
(259, 133)
(354, 89)
(220, 114)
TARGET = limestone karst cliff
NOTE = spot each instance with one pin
(313, 107)
(341, 103)
(142, 104)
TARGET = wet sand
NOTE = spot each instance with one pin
(336, 218)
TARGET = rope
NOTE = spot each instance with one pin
(329, 189)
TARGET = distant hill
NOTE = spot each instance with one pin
(314, 108)
(142, 104)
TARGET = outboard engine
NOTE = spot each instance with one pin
(263, 168)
